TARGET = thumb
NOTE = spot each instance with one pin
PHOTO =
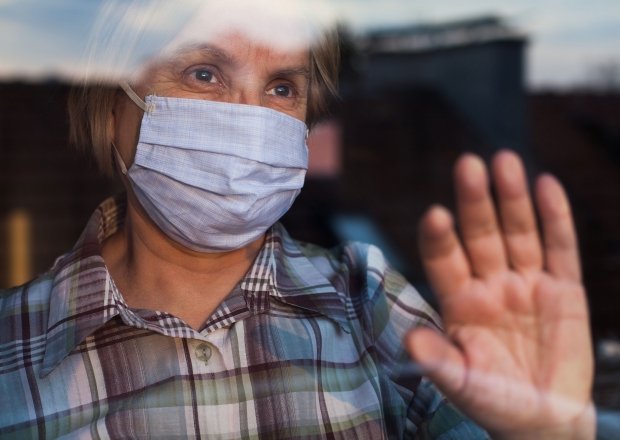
(440, 360)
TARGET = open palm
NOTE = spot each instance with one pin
(516, 354)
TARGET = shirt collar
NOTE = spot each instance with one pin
(302, 277)
(84, 297)
(283, 271)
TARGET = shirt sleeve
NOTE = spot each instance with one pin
(393, 307)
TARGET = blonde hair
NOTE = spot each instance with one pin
(90, 106)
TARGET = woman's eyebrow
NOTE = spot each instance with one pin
(208, 50)
(214, 51)
(294, 71)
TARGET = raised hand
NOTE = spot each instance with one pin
(516, 356)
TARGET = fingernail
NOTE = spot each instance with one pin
(555, 195)
(514, 174)
(474, 170)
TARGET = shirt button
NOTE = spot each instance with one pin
(203, 352)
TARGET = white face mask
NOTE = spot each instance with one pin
(215, 176)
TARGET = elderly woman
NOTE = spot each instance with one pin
(186, 311)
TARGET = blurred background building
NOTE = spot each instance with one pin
(413, 99)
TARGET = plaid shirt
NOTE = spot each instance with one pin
(308, 345)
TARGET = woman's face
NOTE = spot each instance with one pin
(228, 69)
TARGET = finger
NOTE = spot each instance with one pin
(560, 240)
(518, 220)
(477, 219)
(445, 262)
(440, 360)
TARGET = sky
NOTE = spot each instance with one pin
(568, 39)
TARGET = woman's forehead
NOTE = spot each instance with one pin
(129, 42)
(285, 28)
(236, 49)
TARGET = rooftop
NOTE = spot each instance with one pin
(423, 37)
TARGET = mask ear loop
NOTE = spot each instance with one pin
(119, 160)
(140, 103)
(135, 98)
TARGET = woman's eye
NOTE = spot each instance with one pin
(204, 75)
(281, 90)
